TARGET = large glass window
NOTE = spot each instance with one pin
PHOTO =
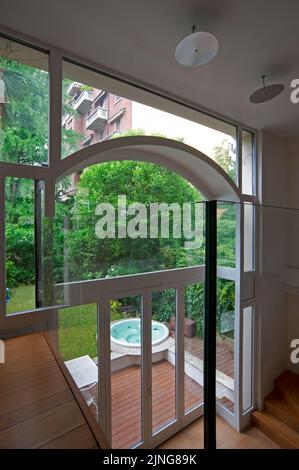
(226, 234)
(248, 237)
(247, 356)
(123, 218)
(24, 96)
(225, 330)
(194, 345)
(126, 344)
(248, 163)
(91, 114)
(20, 244)
(78, 347)
(163, 359)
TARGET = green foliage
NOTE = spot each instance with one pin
(25, 114)
(24, 139)
(226, 234)
(138, 181)
(164, 305)
(224, 157)
(10, 273)
(19, 230)
(115, 309)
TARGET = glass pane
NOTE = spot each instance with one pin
(247, 358)
(248, 237)
(225, 330)
(77, 345)
(20, 244)
(248, 168)
(94, 110)
(163, 358)
(194, 345)
(226, 234)
(126, 333)
(24, 96)
(120, 218)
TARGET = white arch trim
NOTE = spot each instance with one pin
(199, 169)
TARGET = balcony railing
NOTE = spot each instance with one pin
(83, 102)
(74, 88)
(97, 120)
(173, 367)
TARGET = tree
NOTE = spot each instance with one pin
(140, 182)
(24, 96)
(226, 159)
(24, 114)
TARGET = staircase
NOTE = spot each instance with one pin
(280, 419)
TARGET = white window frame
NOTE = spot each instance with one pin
(45, 317)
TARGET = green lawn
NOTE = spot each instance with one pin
(23, 298)
(77, 325)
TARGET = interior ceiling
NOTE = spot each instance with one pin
(138, 38)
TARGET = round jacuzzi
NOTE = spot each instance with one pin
(127, 333)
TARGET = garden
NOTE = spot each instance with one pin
(24, 139)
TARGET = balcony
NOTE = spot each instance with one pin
(64, 120)
(83, 102)
(178, 354)
(74, 88)
(97, 120)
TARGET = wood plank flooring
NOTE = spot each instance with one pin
(126, 401)
(37, 407)
(224, 357)
(39, 410)
(227, 438)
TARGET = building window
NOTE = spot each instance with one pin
(101, 100)
(101, 135)
(117, 124)
(117, 98)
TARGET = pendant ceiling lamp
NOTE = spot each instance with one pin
(196, 49)
(266, 93)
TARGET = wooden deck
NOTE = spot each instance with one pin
(224, 357)
(126, 401)
(37, 406)
(126, 394)
(38, 409)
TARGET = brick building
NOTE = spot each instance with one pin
(99, 116)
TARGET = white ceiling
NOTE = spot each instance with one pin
(138, 39)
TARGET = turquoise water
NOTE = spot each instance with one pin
(129, 331)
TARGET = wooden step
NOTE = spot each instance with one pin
(287, 384)
(277, 406)
(279, 432)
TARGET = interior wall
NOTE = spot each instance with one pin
(273, 235)
(293, 246)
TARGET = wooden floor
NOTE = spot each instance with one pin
(224, 357)
(126, 401)
(126, 394)
(227, 438)
(39, 410)
(37, 407)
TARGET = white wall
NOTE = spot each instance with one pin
(273, 257)
(293, 261)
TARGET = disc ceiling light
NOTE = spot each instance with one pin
(266, 93)
(198, 48)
